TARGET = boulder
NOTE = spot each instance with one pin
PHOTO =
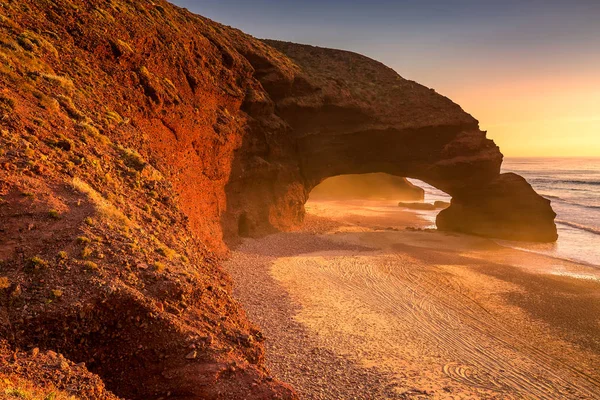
(507, 208)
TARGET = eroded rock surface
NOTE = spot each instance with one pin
(347, 114)
(507, 207)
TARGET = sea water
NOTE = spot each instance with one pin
(573, 187)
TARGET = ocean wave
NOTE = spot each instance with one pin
(558, 199)
(575, 225)
(570, 202)
(567, 181)
(550, 196)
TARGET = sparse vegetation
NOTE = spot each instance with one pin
(91, 266)
(47, 102)
(114, 117)
(62, 255)
(31, 41)
(132, 159)
(123, 46)
(54, 214)
(86, 252)
(60, 81)
(89, 221)
(91, 130)
(25, 43)
(28, 152)
(7, 105)
(68, 105)
(144, 72)
(83, 240)
(38, 262)
(17, 393)
(105, 208)
(4, 283)
(62, 142)
(159, 267)
(166, 252)
(11, 388)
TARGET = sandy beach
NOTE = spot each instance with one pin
(355, 306)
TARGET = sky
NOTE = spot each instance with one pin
(528, 70)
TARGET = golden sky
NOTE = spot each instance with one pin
(537, 115)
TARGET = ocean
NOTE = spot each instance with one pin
(573, 187)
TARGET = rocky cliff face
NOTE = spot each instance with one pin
(119, 120)
(347, 114)
(134, 134)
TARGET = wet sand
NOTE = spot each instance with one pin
(355, 306)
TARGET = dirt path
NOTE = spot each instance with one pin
(354, 308)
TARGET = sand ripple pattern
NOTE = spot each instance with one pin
(389, 310)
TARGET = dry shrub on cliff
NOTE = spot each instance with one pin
(4, 283)
(12, 387)
(91, 130)
(39, 375)
(32, 41)
(47, 102)
(159, 267)
(70, 108)
(86, 252)
(105, 208)
(122, 47)
(132, 158)
(114, 117)
(7, 104)
(60, 81)
(91, 266)
(166, 252)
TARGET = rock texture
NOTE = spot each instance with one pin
(134, 135)
(346, 114)
(118, 125)
(507, 207)
(46, 375)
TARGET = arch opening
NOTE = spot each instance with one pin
(370, 186)
(393, 197)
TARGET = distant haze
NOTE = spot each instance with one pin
(378, 186)
(529, 71)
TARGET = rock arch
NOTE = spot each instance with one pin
(333, 112)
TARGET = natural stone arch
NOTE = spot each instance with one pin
(333, 112)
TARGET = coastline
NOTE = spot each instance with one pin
(547, 249)
(418, 314)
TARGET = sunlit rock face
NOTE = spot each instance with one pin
(338, 112)
(507, 207)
